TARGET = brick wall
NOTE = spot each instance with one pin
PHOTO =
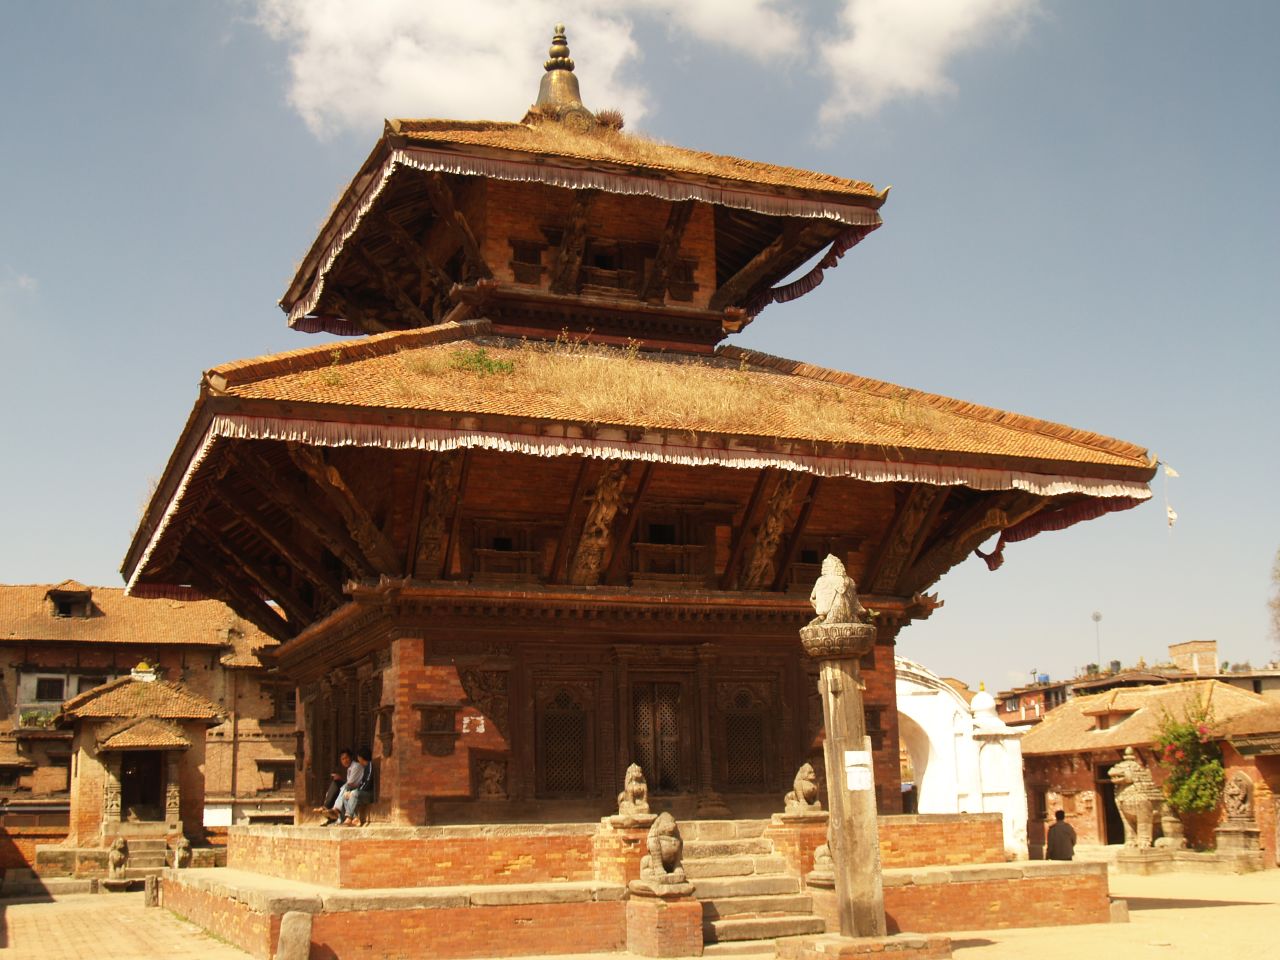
(18, 844)
(906, 840)
(433, 856)
(1265, 774)
(233, 921)
(618, 851)
(495, 931)
(986, 898)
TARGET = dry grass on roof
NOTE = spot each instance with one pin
(603, 143)
(609, 385)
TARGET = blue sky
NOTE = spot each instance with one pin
(1082, 228)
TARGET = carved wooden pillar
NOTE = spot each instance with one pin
(111, 793)
(173, 790)
(710, 803)
(622, 675)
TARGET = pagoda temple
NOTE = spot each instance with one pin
(536, 520)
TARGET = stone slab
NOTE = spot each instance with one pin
(295, 936)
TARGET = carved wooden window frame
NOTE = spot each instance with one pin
(547, 706)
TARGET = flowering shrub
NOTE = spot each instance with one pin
(1193, 761)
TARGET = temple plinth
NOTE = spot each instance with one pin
(837, 641)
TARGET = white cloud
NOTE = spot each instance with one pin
(17, 280)
(352, 64)
(890, 49)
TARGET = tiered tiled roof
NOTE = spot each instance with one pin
(1073, 726)
(130, 697)
(27, 615)
(737, 392)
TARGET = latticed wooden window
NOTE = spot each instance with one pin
(564, 744)
(744, 742)
(655, 726)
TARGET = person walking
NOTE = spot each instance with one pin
(1062, 839)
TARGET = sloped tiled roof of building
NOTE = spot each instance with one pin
(1072, 727)
(618, 149)
(456, 368)
(27, 615)
(144, 734)
(1265, 718)
(130, 697)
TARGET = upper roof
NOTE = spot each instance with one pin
(635, 154)
(735, 393)
(115, 618)
(131, 697)
(1072, 727)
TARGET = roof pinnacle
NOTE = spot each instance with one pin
(558, 94)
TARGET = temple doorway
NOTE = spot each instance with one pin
(142, 785)
(1112, 825)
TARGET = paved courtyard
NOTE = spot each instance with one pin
(1181, 915)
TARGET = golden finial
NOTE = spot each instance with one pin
(559, 52)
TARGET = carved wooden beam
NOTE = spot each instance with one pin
(298, 502)
(215, 580)
(788, 554)
(625, 526)
(268, 581)
(761, 564)
(440, 504)
(248, 514)
(729, 578)
(389, 286)
(440, 196)
(573, 245)
(433, 281)
(455, 521)
(736, 287)
(371, 540)
(350, 307)
(909, 526)
(573, 520)
(989, 515)
(655, 279)
(592, 553)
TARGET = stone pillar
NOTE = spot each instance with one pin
(853, 829)
(173, 790)
(710, 803)
(661, 924)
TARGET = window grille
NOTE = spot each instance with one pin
(564, 737)
(656, 733)
(744, 749)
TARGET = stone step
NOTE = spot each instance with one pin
(133, 872)
(722, 829)
(714, 888)
(761, 928)
(734, 866)
(746, 949)
(703, 849)
(150, 860)
(722, 908)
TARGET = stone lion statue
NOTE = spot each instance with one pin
(634, 798)
(182, 853)
(1137, 798)
(1237, 796)
(803, 797)
(835, 596)
(117, 858)
(662, 864)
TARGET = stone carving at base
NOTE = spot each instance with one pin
(803, 798)
(823, 873)
(1237, 797)
(634, 798)
(1171, 827)
(182, 853)
(661, 873)
(1137, 797)
(117, 858)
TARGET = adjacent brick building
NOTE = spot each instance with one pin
(58, 642)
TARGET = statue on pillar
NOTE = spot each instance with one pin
(117, 858)
(634, 798)
(835, 596)
(661, 873)
(803, 798)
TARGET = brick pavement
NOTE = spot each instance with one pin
(115, 926)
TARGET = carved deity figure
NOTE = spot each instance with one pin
(803, 797)
(1137, 798)
(182, 853)
(662, 864)
(117, 858)
(835, 596)
(634, 798)
(1237, 796)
